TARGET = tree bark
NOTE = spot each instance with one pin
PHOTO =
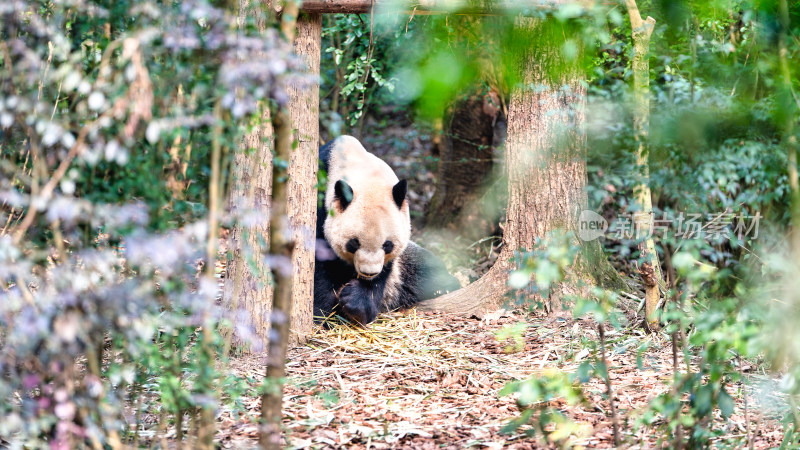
(282, 262)
(247, 292)
(302, 189)
(465, 164)
(650, 269)
(546, 187)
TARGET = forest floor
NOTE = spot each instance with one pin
(428, 381)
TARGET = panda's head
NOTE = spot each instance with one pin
(368, 223)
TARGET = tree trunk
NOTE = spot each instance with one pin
(650, 269)
(247, 294)
(546, 187)
(302, 189)
(465, 163)
(282, 249)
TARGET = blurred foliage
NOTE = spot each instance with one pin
(106, 117)
(353, 70)
(723, 128)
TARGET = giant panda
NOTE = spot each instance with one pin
(365, 261)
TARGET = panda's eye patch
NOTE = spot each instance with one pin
(352, 245)
(388, 246)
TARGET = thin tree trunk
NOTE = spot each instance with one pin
(247, 293)
(546, 187)
(302, 190)
(207, 428)
(789, 117)
(282, 248)
(280, 317)
(650, 269)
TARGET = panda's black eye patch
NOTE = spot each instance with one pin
(388, 246)
(352, 245)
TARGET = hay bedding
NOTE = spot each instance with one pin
(414, 381)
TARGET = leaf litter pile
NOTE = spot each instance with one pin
(428, 381)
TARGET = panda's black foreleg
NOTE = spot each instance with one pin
(360, 300)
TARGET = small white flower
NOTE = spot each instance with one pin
(122, 157)
(84, 87)
(96, 100)
(130, 73)
(111, 150)
(67, 186)
(6, 119)
(52, 134)
(91, 156)
(71, 81)
(153, 132)
(68, 140)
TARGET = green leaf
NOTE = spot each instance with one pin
(725, 403)
(702, 400)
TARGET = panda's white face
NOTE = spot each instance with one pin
(369, 230)
(369, 222)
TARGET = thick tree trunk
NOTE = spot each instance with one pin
(546, 187)
(247, 293)
(465, 164)
(302, 189)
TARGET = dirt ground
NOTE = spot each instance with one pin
(414, 381)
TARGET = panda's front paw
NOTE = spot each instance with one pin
(355, 304)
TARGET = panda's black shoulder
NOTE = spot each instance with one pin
(424, 274)
(325, 154)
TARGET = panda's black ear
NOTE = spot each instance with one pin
(399, 192)
(344, 193)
